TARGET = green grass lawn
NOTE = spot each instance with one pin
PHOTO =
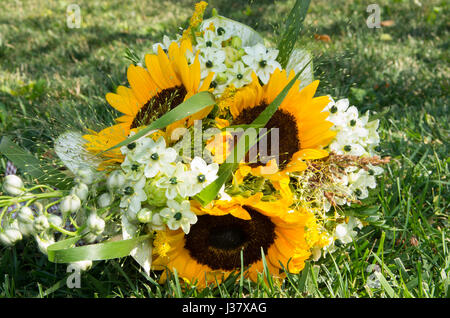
(53, 78)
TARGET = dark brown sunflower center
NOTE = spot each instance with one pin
(217, 241)
(158, 105)
(288, 142)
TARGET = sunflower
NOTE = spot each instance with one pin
(166, 82)
(303, 128)
(212, 248)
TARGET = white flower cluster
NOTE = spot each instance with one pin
(154, 187)
(356, 136)
(344, 233)
(33, 217)
(22, 220)
(221, 52)
(355, 183)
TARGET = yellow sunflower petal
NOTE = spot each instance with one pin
(141, 83)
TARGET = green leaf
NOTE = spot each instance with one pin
(60, 284)
(30, 165)
(64, 252)
(384, 283)
(292, 30)
(187, 108)
(209, 193)
(304, 277)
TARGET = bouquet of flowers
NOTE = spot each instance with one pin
(223, 159)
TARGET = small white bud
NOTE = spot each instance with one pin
(4, 240)
(81, 190)
(10, 236)
(25, 215)
(95, 224)
(316, 253)
(85, 175)
(55, 220)
(70, 204)
(104, 200)
(39, 207)
(89, 238)
(13, 185)
(26, 228)
(157, 222)
(41, 223)
(44, 242)
(144, 215)
(116, 180)
(83, 265)
(236, 42)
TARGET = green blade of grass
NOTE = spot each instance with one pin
(30, 165)
(384, 283)
(292, 30)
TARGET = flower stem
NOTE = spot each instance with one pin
(1, 217)
(73, 222)
(63, 231)
(39, 187)
(51, 204)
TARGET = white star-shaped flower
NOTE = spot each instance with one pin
(212, 60)
(174, 181)
(239, 75)
(200, 175)
(337, 112)
(344, 144)
(133, 195)
(209, 39)
(179, 215)
(158, 157)
(164, 44)
(261, 60)
(345, 232)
